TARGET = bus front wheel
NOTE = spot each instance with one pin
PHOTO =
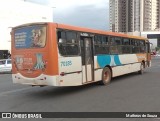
(106, 76)
(141, 71)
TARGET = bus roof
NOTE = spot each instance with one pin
(83, 29)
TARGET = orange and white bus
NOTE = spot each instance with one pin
(63, 55)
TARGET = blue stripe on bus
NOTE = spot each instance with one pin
(103, 60)
(112, 60)
(117, 61)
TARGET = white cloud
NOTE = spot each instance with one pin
(87, 13)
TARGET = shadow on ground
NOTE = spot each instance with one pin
(50, 91)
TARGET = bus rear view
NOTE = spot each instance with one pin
(30, 55)
(62, 55)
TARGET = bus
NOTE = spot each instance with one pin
(63, 55)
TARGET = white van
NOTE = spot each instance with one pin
(5, 65)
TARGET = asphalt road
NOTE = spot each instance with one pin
(129, 93)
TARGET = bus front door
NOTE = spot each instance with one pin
(87, 59)
(148, 52)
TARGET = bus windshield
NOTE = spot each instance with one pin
(30, 37)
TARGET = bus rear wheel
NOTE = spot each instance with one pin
(106, 76)
(142, 67)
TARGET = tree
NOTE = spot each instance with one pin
(157, 48)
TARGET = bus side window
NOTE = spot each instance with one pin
(116, 44)
(136, 42)
(61, 42)
(68, 43)
(126, 41)
(112, 39)
(61, 37)
(126, 48)
(105, 40)
(101, 44)
(97, 44)
(71, 37)
(142, 46)
(118, 41)
(135, 46)
(72, 43)
(98, 39)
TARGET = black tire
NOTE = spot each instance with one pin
(142, 67)
(106, 76)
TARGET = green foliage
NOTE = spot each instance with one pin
(157, 48)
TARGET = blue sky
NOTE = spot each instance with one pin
(85, 13)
